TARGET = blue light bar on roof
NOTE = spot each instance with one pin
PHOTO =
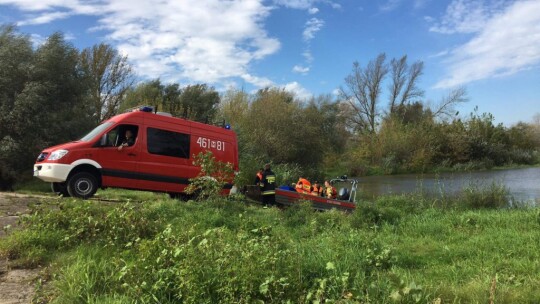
(146, 109)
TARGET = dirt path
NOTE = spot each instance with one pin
(16, 285)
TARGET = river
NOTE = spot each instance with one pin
(523, 184)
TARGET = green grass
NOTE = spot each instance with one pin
(397, 249)
(33, 185)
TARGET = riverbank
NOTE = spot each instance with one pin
(154, 249)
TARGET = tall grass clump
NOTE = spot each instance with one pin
(477, 196)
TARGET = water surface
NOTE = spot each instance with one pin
(523, 184)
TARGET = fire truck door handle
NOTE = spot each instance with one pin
(132, 154)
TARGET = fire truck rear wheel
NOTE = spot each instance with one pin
(82, 185)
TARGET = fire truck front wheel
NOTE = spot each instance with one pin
(82, 185)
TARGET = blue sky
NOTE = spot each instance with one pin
(491, 47)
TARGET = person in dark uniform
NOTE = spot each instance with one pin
(268, 186)
(128, 140)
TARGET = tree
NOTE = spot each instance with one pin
(363, 90)
(15, 61)
(234, 107)
(446, 107)
(199, 102)
(403, 88)
(171, 99)
(148, 93)
(51, 108)
(109, 75)
(332, 123)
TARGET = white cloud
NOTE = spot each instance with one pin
(390, 5)
(313, 25)
(440, 54)
(37, 40)
(508, 42)
(468, 16)
(313, 10)
(201, 41)
(420, 3)
(335, 5)
(308, 56)
(44, 18)
(300, 69)
(299, 91)
(305, 4)
(260, 82)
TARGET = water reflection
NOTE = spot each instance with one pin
(523, 184)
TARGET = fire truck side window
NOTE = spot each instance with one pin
(168, 143)
(116, 136)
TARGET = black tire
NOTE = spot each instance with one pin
(60, 189)
(82, 185)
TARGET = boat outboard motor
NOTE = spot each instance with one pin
(343, 194)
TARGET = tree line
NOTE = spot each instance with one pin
(54, 93)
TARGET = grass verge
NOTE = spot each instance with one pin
(397, 249)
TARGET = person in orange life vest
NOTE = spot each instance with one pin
(303, 185)
(317, 189)
(259, 176)
(329, 191)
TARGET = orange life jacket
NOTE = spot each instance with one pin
(316, 190)
(303, 186)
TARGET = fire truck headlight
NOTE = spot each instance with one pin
(56, 155)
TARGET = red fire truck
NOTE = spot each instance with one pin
(159, 157)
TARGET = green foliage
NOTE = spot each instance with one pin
(32, 247)
(413, 141)
(369, 215)
(109, 76)
(146, 93)
(410, 293)
(278, 128)
(45, 85)
(211, 179)
(70, 223)
(197, 102)
(227, 251)
(97, 283)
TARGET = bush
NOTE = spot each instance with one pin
(213, 177)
